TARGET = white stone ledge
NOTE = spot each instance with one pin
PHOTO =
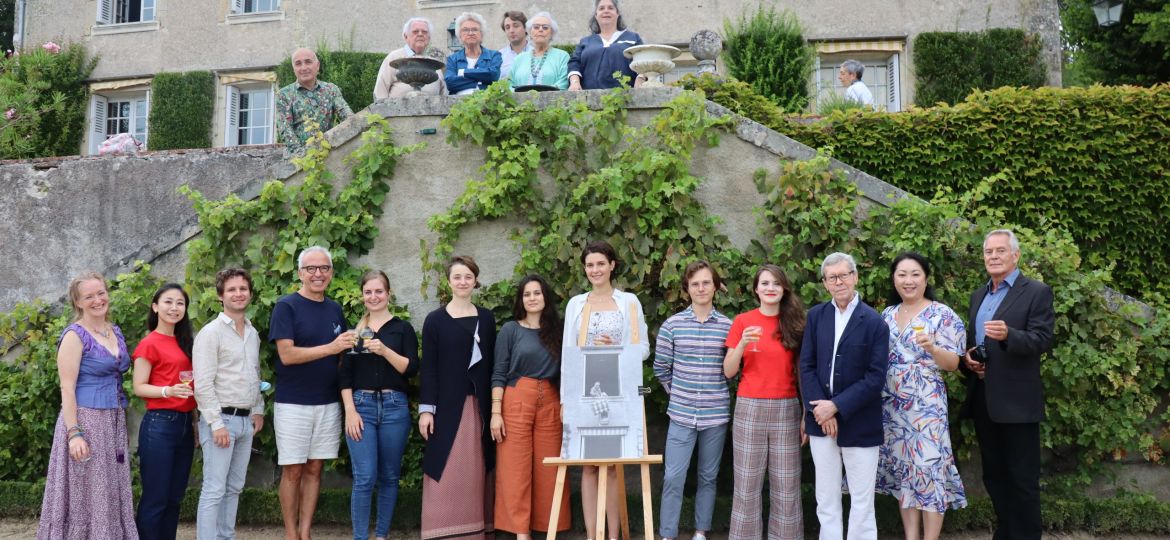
(125, 28)
(248, 18)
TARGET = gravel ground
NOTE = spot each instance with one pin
(23, 529)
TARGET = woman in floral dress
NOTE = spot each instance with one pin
(916, 464)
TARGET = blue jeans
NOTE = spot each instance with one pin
(224, 471)
(680, 444)
(166, 445)
(377, 457)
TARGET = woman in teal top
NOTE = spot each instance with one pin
(544, 64)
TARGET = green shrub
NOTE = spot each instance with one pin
(355, 73)
(767, 50)
(182, 106)
(949, 65)
(1090, 160)
(43, 101)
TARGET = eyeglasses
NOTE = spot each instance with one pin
(542, 27)
(323, 269)
(838, 278)
(469, 30)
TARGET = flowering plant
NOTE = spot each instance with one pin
(44, 99)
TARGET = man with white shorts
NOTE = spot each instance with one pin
(310, 332)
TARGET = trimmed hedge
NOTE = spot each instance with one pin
(355, 73)
(949, 65)
(182, 106)
(1126, 513)
(1091, 160)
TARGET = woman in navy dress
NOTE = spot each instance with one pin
(601, 53)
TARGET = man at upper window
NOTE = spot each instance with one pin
(307, 105)
(417, 34)
(855, 90)
(513, 27)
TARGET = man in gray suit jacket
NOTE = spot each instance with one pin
(1011, 326)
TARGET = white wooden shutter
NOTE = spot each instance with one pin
(231, 134)
(105, 11)
(97, 118)
(146, 122)
(893, 91)
(237, 6)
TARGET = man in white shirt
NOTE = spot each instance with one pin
(226, 358)
(513, 26)
(855, 90)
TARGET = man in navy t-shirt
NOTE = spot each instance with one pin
(310, 332)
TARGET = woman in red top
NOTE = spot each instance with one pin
(166, 437)
(763, 346)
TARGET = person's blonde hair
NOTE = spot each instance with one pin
(75, 291)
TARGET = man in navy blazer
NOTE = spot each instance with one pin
(1011, 327)
(842, 370)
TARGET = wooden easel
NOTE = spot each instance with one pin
(603, 466)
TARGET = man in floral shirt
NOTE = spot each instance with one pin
(308, 104)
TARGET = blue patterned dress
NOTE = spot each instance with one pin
(916, 463)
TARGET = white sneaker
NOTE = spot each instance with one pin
(699, 536)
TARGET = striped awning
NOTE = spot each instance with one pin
(885, 45)
(122, 84)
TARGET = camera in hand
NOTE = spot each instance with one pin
(979, 353)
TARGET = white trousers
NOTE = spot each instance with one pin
(860, 476)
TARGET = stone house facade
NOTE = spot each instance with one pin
(241, 41)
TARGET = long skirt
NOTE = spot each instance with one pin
(90, 500)
(460, 505)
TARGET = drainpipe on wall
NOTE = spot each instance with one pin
(18, 26)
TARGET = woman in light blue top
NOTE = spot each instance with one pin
(544, 64)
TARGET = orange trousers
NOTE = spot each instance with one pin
(532, 432)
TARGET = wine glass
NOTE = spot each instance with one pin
(365, 334)
(187, 377)
(759, 331)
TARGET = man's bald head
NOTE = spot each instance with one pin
(306, 67)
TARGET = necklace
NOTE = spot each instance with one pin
(103, 333)
(536, 67)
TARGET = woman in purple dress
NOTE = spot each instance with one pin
(915, 463)
(87, 493)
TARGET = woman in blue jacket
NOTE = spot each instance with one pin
(601, 53)
(474, 67)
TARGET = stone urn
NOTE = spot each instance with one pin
(417, 71)
(705, 47)
(653, 61)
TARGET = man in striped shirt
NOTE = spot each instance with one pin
(688, 361)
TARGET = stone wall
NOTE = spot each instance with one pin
(71, 214)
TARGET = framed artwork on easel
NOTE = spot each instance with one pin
(603, 413)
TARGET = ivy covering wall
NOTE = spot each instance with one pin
(632, 185)
(182, 106)
(355, 73)
(1093, 161)
(949, 65)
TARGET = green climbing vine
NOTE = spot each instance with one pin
(266, 234)
(573, 174)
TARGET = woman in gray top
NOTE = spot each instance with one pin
(526, 411)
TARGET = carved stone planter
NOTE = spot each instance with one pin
(653, 61)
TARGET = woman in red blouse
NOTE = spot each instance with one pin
(763, 347)
(166, 436)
